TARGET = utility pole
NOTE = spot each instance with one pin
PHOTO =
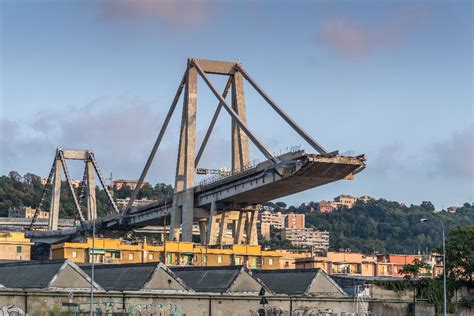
(444, 271)
(92, 269)
(444, 264)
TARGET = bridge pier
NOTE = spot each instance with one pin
(91, 199)
(252, 238)
(55, 195)
(211, 225)
(203, 231)
(239, 233)
(184, 185)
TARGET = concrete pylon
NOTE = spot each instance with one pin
(203, 231)
(222, 227)
(91, 199)
(240, 142)
(59, 167)
(239, 234)
(183, 203)
(212, 225)
(55, 195)
(252, 238)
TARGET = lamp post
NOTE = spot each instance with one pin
(444, 264)
(91, 303)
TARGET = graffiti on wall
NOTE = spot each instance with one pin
(276, 311)
(11, 310)
(169, 309)
(136, 309)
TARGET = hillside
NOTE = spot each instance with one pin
(17, 191)
(384, 226)
(377, 226)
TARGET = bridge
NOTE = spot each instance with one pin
(229, 200)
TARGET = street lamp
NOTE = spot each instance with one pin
(444, 264)
(93, 256)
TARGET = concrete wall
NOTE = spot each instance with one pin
(139, 303)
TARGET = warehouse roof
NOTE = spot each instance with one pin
(135, 277)
(43, 275)
(299, 282)
(218, 279)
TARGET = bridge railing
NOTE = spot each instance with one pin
(219, 177)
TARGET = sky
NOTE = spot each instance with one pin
(388, 79)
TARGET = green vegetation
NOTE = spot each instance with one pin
(384, 226)
(460, 253)
(18, 191)
(276, 241)
(460, 264)
(412, 270)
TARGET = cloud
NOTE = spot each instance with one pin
(174, 14)
(355, 41)
(454, 157)
(387, 159)
(120, 130)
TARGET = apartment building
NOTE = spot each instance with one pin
(345, 200)
(121, 203)
(294, 221)
(26, 212)
(326, 206)
(386, 265)
(276, 220)
(119, 183)
(173, 253)
(14, 246)
(307, 237)
(341, 201)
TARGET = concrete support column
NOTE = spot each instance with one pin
(252, 238)
(185, 167)
(222, 227)
(212, 225)
(190, 99)
(91, 199)
(203, 231)
(175, 224)
(240, 142)
(55, 197)
(239, 238)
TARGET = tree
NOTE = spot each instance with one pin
(412, 271)
(427, 205)
(15, 176)
(281, 204)
(460, 253)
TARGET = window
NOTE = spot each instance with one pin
(219, 259)
(130, 256)
(115, 255)
(205, 259)
(237, 261)
(270, 261)
(150, 256)
(18, 249)
(74, 254)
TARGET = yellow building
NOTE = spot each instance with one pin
(288, 258)
(14, 246)
(341, 263)
(27, 212)
(171, 253)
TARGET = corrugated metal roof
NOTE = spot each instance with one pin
(29, 274)
(121, 277)
(208, 279)
(288, 281)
